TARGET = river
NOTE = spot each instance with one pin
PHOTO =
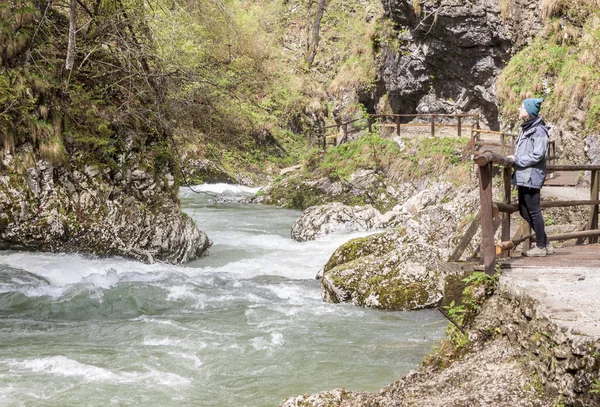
(245, 326)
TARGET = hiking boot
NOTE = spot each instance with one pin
(549, 249)
(535, 252)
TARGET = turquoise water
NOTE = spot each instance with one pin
(245, 326)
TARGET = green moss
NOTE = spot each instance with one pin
(398, 296)
(368, 152)
(377, 245)
(293, 192)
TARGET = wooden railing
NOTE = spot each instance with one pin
(490, 219)
(477, 143)
(429, 122)
(396, 121)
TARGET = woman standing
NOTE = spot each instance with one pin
(531, 147)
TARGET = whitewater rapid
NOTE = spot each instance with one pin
(245, 326)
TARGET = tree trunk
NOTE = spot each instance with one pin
(314, 45)
(72, 31)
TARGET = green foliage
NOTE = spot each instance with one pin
(595, 389)
(368, 152)
(456, 342)
(455, 311)
(450, 148)
(561, 65)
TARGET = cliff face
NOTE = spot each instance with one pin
(87, 208)
(444, 57)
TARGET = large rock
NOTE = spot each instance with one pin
(89, 209)
(402, 268)
(317, 221)
(321, 220)
(398, 280)
(446, 58)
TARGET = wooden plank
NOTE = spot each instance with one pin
(507, 175)
(505, 208)
(593, 221)
(491, 157)
(588, 167)
(594, 197)
(432, 126)
(466, 239)
(511, 244)
(487, 218)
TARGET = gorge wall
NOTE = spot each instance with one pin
(445, 57)
(90, 209)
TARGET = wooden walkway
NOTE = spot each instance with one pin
(583, 256)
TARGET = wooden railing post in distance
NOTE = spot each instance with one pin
(398, 126)
(370, 124)
(487, 218)
(345, 138)
(595, 192)
(459, 126)
(432, 126)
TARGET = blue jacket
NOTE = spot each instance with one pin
(531, 148)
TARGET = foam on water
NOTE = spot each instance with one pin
(65, 367)
(227, 189)
(245, 326)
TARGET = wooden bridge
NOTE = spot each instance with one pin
(495, 214)
(488, 148)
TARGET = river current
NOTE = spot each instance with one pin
(245, 326)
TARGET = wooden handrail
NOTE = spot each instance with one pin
(491, 157)
(370, 119)
(584, 167)
(490, 210)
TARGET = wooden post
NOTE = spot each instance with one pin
(528, 231)
(594, 197)
(459, 126)
(466, 239)
(345, 138)
(398, 126)
(370, 125)
(432, 126)
(506, 216)
(487, 218)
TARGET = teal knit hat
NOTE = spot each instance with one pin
(533, 106)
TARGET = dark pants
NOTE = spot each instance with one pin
(529, 208)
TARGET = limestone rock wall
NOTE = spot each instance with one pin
(82, 208)
(445, 56)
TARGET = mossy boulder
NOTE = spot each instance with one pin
(404, 267)
(384, 271)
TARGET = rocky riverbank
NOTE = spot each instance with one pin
(516, 351)
(92, 209)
